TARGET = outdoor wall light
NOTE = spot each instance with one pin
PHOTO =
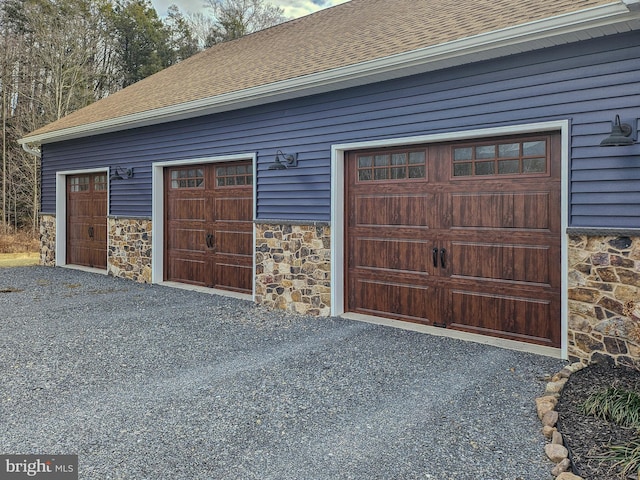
(620, 135)
(287, 161)
(120, 173)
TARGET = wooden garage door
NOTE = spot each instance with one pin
(458, 235)
(209, 225)
(87, 220)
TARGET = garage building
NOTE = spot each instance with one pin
(433, 164)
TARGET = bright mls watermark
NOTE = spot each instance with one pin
(46, 467)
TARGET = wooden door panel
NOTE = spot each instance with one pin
(86, 235)
(411, 302)
(229, 209)
(209, 225)
(392, 209)
(188, 269)
(100, 233)
(233, 243)
(186, 226)
(187, 238)
(500, 210)
(391, 254)
(234, 277)
(515, 317)
(492, 215)
(232, 227)
(502, 262)
(186, 209)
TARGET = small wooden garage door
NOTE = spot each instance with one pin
(209, 225)
(459, 235)
(87, 220)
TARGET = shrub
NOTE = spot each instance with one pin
(616, 405)
(622, 407)
(626, 456)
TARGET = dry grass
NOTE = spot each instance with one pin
(19, 249)
(19, 242)
(19, 259)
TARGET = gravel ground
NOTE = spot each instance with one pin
(149, 382)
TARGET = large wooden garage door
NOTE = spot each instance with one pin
(458, 235)
(87, 220)
(208, 225)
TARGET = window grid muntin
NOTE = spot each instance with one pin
(398, 166)
(234, 175)
(79, 184)
(499, 158)
(100, 182)
(187, 178)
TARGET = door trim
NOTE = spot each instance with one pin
(338, 157)
(157, 210)
(61, 215)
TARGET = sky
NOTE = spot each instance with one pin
(292, 8)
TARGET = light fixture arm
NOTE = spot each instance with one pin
(121, 173)
(287, 161)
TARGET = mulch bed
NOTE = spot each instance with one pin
(587, 437)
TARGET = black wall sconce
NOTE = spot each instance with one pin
(120, 173)
(287, 161)
(620, 135)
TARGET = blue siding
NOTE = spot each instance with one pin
(587, 83)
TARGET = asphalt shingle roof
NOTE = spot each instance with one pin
(347, 34)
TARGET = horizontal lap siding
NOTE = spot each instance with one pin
(588, 84)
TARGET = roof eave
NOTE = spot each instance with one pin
(608, 19)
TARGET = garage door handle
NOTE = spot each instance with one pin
(434, 254)
(209, 240)
(443, 258)
(90, 232)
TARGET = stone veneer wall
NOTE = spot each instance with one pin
(48, 240)
(604, 297)
(129, 253)
(293, 268)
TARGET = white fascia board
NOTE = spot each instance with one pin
(554, 31)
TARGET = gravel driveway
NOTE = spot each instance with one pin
(149, 382)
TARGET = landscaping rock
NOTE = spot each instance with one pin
(550, 418)
(561, 467)
(556, 453)
(568, 476)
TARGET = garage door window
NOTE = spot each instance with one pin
(232, 175)
(512, 158)
(100, 182)
(392, 166)
(187, 178)
(79, 184)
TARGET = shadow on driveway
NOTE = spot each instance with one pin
(148, 382)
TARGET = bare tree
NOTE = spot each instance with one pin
(236, 18)
(201, 26)
(57, 56)
(48, 70)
